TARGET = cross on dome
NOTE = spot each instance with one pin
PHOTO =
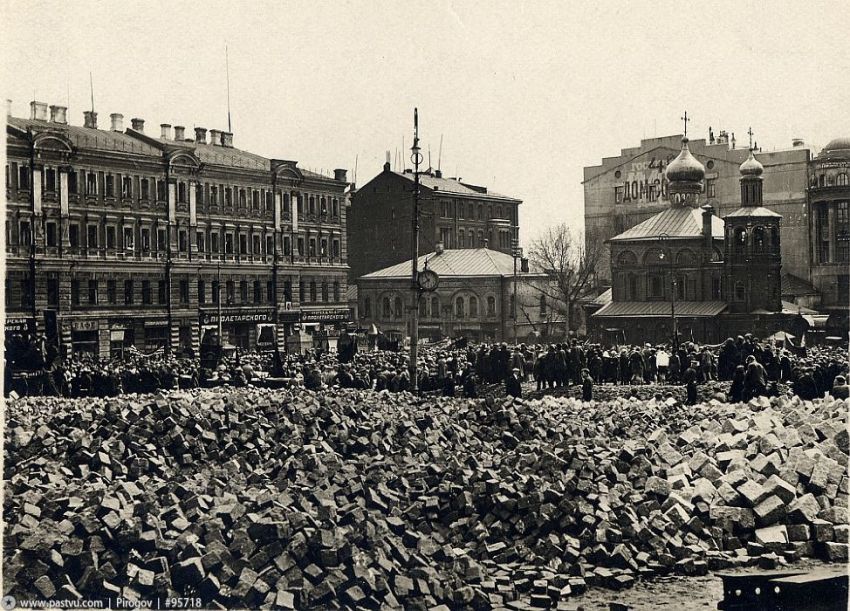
(685, 120)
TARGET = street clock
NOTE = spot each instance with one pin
(428, 280)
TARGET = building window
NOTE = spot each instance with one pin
(75, 292)
(618, 195)
(255, 200)
(161, 190)
(91, 236)
(740, 292)
(287, 203)
(336, 249)
(146, 239)
(214, 242)
(228, 243)
(91, 183)
(255, 242)
(49, 180)
(24, 178)
(184, 292)
(542, 306)
(715, 287)
(181, 192)
(758, 239)
(656, 286)
(243, 291)
(473, 307)
(841, 180)
(145, 189)
(111, 296)
(324, 247)
(325, 291)
(128, 292)
(128, 238)
(312, 206)
(461, 242)
(336, 292)
(302, 291)
(300, 252)
(161, 241)
(200, 238)
(269, 245)
(313, 291)
(435, 307)
(110, 185)
(216, 291)
(335, 208)
(312, 252)
(202, 291)
(25, 234)
(367, 307)
(230, 292)
(398, 307)
(110, 237)
(287, 245)
(243, 199)
(491, 306)
(146, 292)
(287, 291)
(228, 197)
(822, 234)
(681, 285)
(711, 187)
(459, 307)
(92, 292)
(243, 244)
(258, 291)
(270, 291)
(161, 293)
(126, 187)
(842, 231)
(386, 308)
(739, 240)
(633, 287)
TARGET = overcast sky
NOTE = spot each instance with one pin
(524, 94)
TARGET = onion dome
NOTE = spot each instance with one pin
(685, 168)
(751, 167)
(837, 148)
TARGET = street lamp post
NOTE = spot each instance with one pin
(416, 158)
(517, 253)
(665, 240)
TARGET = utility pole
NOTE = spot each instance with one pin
(517, 252)
(416, 158)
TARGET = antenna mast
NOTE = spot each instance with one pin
(227, 69)
(440, 154)
(91, 88)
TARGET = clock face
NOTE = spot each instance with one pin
(428, 280)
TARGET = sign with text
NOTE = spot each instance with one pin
(20, 324)
(325, 315)
(242, 315)
(643, 180)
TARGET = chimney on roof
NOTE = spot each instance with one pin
(201, 135)
(438, 174)
(707, 213)
(38, 110)
(179, 133)
(117, 120)
(59, 114)
(215, 137)
(341, 175)
(138, 125)
(797, 142)
(8, 107)
(387, 166)
(438, 248)
(90, 119)
(165, 132)
(227, 139)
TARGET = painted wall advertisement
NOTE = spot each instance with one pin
(643, 181)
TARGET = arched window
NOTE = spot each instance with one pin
(491, 306)
(459, 307)
(480, 213)
(632, 287)
(460, 238)
(471, 211)
(627, 259)
(386, 308)
(758, 239)
(471, 239)
(655, 256)
(398, 307)
(716, 255)
(473, 307)
(686, 258)
(681, 288)
(435, 307)
(841, 180)
(367, 307)
(739, 240)
(822, 180)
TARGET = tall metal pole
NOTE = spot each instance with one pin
(416, 157)
(218, 278)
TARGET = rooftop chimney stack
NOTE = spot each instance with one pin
(138, 125)
(179, 133)
(707, 213)
(215, 137)
(227, 139)
(59, 114)
(797, 142)
(438, 174)
(8, 107)
(90, 119)
(341, 175)
(201, 135)
(165, 134)
(117, 120)
(38, 110)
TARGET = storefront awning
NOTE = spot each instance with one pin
(660, 309)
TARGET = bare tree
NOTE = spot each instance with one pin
(570, 264)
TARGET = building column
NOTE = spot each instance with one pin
(832, 245)
(193, 219)
(64, 239)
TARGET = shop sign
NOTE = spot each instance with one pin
(85, 325)
(210, 317)
(266, 336)
(325, 315)
(21, 324)
(288, 316)
(116, 335)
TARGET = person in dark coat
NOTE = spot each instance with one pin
(690, 380)
(755, 380)
(470, 386)
(840, 390)
(562, 367)
(805, 387)
(736, 393)
(586, 385)
(513, 386)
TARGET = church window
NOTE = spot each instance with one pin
(398, 307)
(386, 307)
(740, 240)
(715, 287)
(758, 239)
(822, 234)
(627, 259)
(459, 307)
(842, 232)
(841, 180)
(656, 286)
(711, 188)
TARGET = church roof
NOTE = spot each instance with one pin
(661, 309)
(680, 222)
(459, 262)
(754, 211)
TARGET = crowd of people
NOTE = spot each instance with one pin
(450, 368)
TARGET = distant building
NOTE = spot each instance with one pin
(829, 230)
(625, 190)
(118, 239)
(474, 298)
(452, 212)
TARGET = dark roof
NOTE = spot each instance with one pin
(661, 309)
(794, 285)
(461, 262)
(455, 187)
(754, 211)
(680, 222)
(88, 138)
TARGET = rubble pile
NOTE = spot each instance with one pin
(291, 499)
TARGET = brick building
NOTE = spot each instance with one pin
(474, 299)
(129, 239)
(457, 214)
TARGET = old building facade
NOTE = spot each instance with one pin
(457, 214)
(474, 299)
(117, 238)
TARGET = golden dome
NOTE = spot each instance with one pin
(685, 167)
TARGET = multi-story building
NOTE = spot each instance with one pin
(457, 214)
(626, 190)
(475, 298)
(117, 238)
(829, 230)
